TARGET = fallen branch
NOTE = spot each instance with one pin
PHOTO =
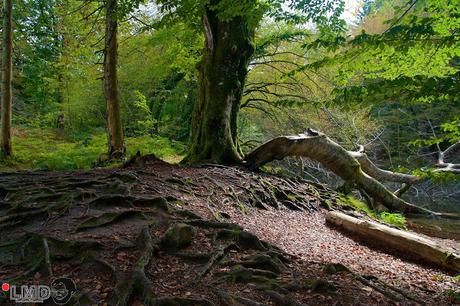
(354, 167)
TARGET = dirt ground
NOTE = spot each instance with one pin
(157, 234)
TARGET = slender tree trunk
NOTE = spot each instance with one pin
(114, 125)
(7, 72)
(158, 110)
(223, 70)
(168, 84)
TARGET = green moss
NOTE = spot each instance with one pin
(351, 202)
(178, 236)
(46, 150)
(393, 219)
(242, 207)
(397, 220)
(217, 216)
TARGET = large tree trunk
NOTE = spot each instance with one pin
(116, 147)
(353, 167)
(223, 70)
(7, 72)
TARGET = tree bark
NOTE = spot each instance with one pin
(116, 147)
(354, 168)
(7, 73)
(222, 73)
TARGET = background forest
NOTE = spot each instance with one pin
(386, 79)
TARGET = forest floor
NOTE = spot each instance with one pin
(158, 234)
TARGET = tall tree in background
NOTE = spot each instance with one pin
(114, 122)
(7, 71)
(229, 28)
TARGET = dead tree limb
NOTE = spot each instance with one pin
(354, 167)
(444, 166)
(380, 174)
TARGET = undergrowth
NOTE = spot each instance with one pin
(454, 295)
(394, 219)
(45, 150)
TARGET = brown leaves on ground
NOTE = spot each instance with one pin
(223, 195)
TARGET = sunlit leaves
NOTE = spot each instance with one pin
(325, 14)
(127, 6)
(412, 61)
(452, 130)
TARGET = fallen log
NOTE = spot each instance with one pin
(404, 241)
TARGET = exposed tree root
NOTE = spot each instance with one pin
(243, 239)
(232, 300)
(137, 281)
(394, 293)
(282, 300)
(214, 259)
(269, 261)
(86, 225)
(176, 301)
(109, 217)
(195, 257)
(103, 202)
(46, 256)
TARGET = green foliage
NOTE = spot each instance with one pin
(163, 71)
(58, 73)
(453, 294)
(42, 149)
(124, 7)
(393, 219)
(325, 14)
(413, 60)
(397, 220)
(452, 130)
(353, 202)
(436, 176)
(192, 10)
(139, 121)
(37, 48)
